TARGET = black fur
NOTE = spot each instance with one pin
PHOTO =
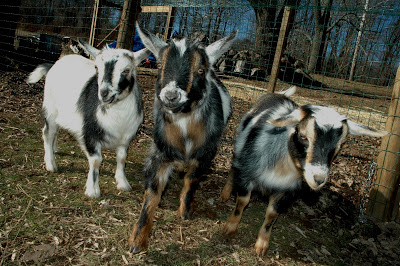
(88, 103)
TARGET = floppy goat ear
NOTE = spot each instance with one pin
(152, 42)
(290, 120)
(218, 48)
(361, 130)
(141, 55)
(93, 52)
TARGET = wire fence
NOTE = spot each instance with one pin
(343, 54)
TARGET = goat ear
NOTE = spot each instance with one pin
(88, 48)
(218, 48)
(141, 55)
(291, 119)
(152, 42)
(361, 130)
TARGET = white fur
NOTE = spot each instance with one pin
(272, 178)
(173, 87)
(181, 45)
(313, 170)
(327, 117)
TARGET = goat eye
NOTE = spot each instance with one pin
(159, 65)
(303, 138)
(200, 71)
(126, 71)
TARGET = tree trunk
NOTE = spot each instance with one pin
(357, 47)
(322, 16)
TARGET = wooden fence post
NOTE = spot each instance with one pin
(283, 32)
(94, 22)
(126, 33)
(382, 198)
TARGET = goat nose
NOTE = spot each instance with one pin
(104, 93)
(319, 179)
(172, 96)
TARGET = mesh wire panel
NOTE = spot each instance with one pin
(342, 54)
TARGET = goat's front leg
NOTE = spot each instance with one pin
(262, 244)
(138, 239)
(120, 177)
(191, 183)
(230, 227)
(92, 183)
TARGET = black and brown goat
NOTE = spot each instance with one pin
(191, 109)
(278, 145)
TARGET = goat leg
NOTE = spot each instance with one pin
(262, 244)
(230, 227)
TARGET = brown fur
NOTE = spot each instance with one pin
(231, 225)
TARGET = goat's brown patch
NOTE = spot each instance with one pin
(307, 128)
(197, 133)
(174, 136)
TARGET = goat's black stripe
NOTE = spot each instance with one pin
(87, 104)
(109, 70)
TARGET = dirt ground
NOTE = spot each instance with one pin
(46, 219)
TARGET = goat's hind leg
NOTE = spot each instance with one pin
(120, 177)
(262, 244)
(49, 135)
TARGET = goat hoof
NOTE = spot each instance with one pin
(185, 215)
(94, 194)
(261, 247)
(134, 249)
(229, 229)
(124, 187)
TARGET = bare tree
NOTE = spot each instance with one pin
(322, 16)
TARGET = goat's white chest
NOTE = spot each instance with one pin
(283, 175)
(120, 121)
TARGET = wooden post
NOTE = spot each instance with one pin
(126, 33)
(287, 17)
(169, 23)
(382, 198)
(94, 22)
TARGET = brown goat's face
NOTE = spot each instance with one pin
(181, 83)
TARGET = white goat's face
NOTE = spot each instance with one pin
(116, 71)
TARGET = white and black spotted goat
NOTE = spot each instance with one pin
(278, 145)
(191, 109)
(98, 101)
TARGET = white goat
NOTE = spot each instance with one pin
(98, 101)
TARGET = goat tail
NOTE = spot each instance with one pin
(39, 72)
(289, 92)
